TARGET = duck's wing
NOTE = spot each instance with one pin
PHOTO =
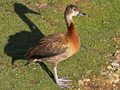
(49, 46)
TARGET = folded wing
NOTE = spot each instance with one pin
(49, 46)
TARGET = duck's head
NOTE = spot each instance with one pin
(72, 10)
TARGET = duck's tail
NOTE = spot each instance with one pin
(29, 61)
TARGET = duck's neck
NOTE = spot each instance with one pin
(72, 34)
(70, 26)
(68, 20)
(71, 30)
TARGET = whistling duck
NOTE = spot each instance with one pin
(57, 47)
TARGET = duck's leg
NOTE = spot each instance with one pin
(61, 82)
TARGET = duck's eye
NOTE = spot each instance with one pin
(75, 9)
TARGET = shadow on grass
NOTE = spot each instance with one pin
(19, 43)
(46, 69)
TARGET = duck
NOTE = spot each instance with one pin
(58, 46)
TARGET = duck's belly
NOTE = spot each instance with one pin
(58, 58)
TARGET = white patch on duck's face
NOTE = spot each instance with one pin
(74, 12)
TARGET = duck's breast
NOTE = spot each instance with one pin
(73, 38)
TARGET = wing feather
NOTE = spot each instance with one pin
(49, 46)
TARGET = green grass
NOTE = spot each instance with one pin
(17, 36)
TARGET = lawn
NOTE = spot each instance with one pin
(24, 22)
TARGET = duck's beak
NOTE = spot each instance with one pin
(82, 14)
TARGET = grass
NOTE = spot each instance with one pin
(17, 34)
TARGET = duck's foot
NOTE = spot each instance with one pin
(61, 82)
